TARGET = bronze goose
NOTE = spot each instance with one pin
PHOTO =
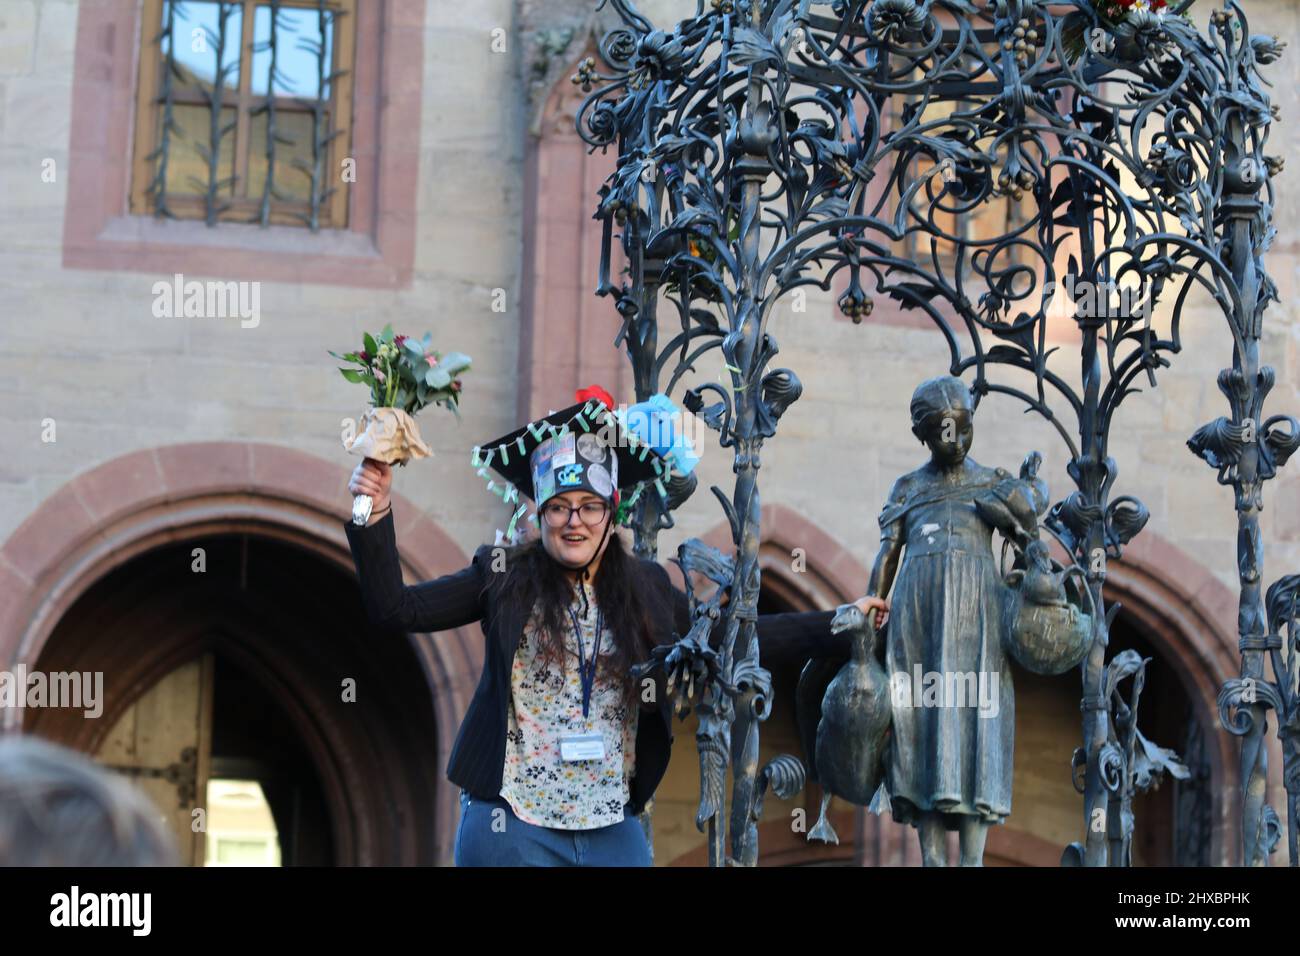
(855, 726)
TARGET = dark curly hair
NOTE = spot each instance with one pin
(534, 580)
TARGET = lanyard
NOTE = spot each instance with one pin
(588, 679)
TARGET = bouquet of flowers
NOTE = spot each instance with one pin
(1116, 10)
(1119, 19)
(404, 374)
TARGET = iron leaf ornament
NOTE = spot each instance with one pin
(990, 165)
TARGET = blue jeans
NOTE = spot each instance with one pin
(513, 842)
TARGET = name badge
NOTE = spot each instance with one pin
(582, 747)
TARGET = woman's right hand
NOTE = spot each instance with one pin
(871, 604)
(374, 478)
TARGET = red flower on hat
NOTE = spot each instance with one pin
(596, 392)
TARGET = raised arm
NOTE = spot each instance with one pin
(450, 601)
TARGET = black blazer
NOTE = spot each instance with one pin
(454, 600)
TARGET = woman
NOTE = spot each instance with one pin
(559, 749)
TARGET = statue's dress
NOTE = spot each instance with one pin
(948, 754)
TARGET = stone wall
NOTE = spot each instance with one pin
(83, 348)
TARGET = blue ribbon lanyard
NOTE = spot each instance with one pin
(588, 679)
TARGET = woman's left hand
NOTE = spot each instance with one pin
(690, 665)
(879, 604)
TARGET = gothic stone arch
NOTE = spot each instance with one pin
(120, 509)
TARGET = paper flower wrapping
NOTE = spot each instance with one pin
(388, 435)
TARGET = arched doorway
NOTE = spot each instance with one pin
(803, 569)
(1046, 808)
(782, 844)
(105, 578)
(1173, 611)
(306, 701)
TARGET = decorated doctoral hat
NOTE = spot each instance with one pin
(586, 447)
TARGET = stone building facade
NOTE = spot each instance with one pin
(145, 447)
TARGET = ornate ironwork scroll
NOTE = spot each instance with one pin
(765, 146)
(1244, 447)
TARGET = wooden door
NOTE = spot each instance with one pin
(163, 744)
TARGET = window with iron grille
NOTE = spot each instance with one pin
(979, 226)
(244, 111)
(975, 225)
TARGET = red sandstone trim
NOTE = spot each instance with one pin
(104, 517)
(377, 250)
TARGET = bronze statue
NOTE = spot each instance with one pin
(953, 707)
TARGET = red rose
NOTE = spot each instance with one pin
(399, 340)
(596, 392)
(365, 356)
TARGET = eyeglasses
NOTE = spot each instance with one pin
(557, 513)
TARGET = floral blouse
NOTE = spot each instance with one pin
(540, 787)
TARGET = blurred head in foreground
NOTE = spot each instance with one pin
(59, 808)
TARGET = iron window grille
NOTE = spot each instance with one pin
(244, 111)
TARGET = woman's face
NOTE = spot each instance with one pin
(949, 436)
(575, 542)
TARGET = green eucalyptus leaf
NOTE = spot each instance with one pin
(454, 362)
